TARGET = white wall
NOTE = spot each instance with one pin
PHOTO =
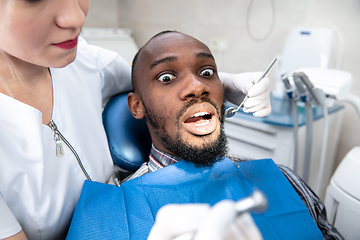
(103, 13)
(225, 19)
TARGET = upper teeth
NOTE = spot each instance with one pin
(200, 114)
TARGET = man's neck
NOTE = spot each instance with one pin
(159, 159)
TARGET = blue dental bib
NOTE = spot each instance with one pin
(128, 212)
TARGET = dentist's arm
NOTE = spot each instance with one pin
(238, 85)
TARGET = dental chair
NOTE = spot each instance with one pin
(129, 138)
(130, 144)
(342, 199)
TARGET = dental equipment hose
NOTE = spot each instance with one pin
(308, 141)
(323, 150)
(310, 95)
(291, 93)
(295, 133)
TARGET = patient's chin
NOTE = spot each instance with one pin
(203, 153)
(201, 142)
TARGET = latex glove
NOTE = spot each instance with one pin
(216, 223)
(238, 85)
(221, 223)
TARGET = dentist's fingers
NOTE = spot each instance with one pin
(244, 81)
(176, 219)
(263, 112)
(215, 224)
(258, 108)
(236, 85)
(221, 223)
(258, 102)
(261, 87)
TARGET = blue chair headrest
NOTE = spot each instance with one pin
(129, 138)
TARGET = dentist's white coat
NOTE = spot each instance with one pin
(39, 190)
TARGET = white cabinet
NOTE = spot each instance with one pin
(272, 137)
(259, 140)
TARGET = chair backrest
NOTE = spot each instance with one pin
(342, 199)
(129, 138)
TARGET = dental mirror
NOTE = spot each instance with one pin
(230, 112)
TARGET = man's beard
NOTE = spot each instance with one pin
(202, 156)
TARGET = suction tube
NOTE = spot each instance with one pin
(291, 93)
(323, 150)
(308, 141)
(354, 101)
(295, 133)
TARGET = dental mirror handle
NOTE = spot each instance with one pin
(231, 111)
(267, 70)
(261, 77)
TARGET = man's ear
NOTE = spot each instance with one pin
(135, 105)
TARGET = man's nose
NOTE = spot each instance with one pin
(194, 87)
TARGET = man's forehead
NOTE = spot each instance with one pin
(169, 38)
(172, 44)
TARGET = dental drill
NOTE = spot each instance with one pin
(230, 112)
(256, 202)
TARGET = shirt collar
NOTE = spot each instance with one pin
(159, 159)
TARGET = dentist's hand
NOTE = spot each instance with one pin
(181, 221)
(258, 102)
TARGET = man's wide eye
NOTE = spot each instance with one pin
(207, 72)
(167, 77)
(33, 1)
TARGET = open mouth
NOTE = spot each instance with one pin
(201, 123)
(199, 119)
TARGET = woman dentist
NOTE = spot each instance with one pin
(53, 86)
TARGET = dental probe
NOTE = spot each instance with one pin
(256, 202)
(231, 110)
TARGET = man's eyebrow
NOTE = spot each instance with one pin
(205, 55)
(163, 60)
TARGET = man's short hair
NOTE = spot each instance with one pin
(134, 62)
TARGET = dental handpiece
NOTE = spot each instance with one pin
(256, 202)
(231, 110)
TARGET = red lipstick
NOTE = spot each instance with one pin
(67, 44)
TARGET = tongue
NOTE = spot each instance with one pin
(194, 119)
(200, 125)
